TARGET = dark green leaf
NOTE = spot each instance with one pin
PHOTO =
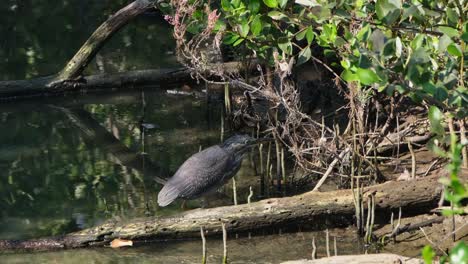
(452, 15)
(388, 10)
(231, 38)
(454, 50)
(254, 6)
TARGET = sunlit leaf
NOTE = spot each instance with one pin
(309, 3)
(428, 254)
(276, 15)
(271, 3)
(256, 25)
(459, 253)
(367, 76)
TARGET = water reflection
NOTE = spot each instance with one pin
(69, 166)
(258, 249)
(38, 37)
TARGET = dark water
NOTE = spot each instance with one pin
(73, 162)
(38, 37)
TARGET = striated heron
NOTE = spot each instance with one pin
(207, 170)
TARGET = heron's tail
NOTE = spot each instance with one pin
(167, 195)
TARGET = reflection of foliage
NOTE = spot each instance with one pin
(50, 174)
(49, 33)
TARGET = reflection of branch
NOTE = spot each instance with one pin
(94, 133)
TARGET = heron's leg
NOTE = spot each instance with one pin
(182, 206)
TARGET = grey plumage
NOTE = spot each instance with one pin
(206, 171)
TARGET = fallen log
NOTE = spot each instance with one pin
(314, 209)
(39, 86)
(383, 258)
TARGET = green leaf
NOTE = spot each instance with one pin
(308, 3)
(310, 35)
(388, 10)
(349, 76)
(459, 253)
(398, 47)
(452, 15)
(230, 38)
(300, 36)
(367, 76)
(226, 5)
(276, 15)
(345, 64)
(271, 3)
(435, 118)
(428, 254)
(449, 31)
(239, 41)
(304, 55)
(444, 41)
(282, 3)
(464, 36)
(254, 6)
(256, 25)
(244, 29)
(454, 50)
(285, 45)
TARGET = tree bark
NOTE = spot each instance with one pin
(86, 53)
(312, 209)
(39, 86)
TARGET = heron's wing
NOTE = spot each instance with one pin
(200, 173)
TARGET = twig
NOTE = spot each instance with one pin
(234, 190)
(335, 247)
(203, 245)
(314, 249)
(413, 161)
(330, 168)
(224, 243)
(327, 241)
(432, 243)
(250, 195)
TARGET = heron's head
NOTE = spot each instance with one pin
(240, 143)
